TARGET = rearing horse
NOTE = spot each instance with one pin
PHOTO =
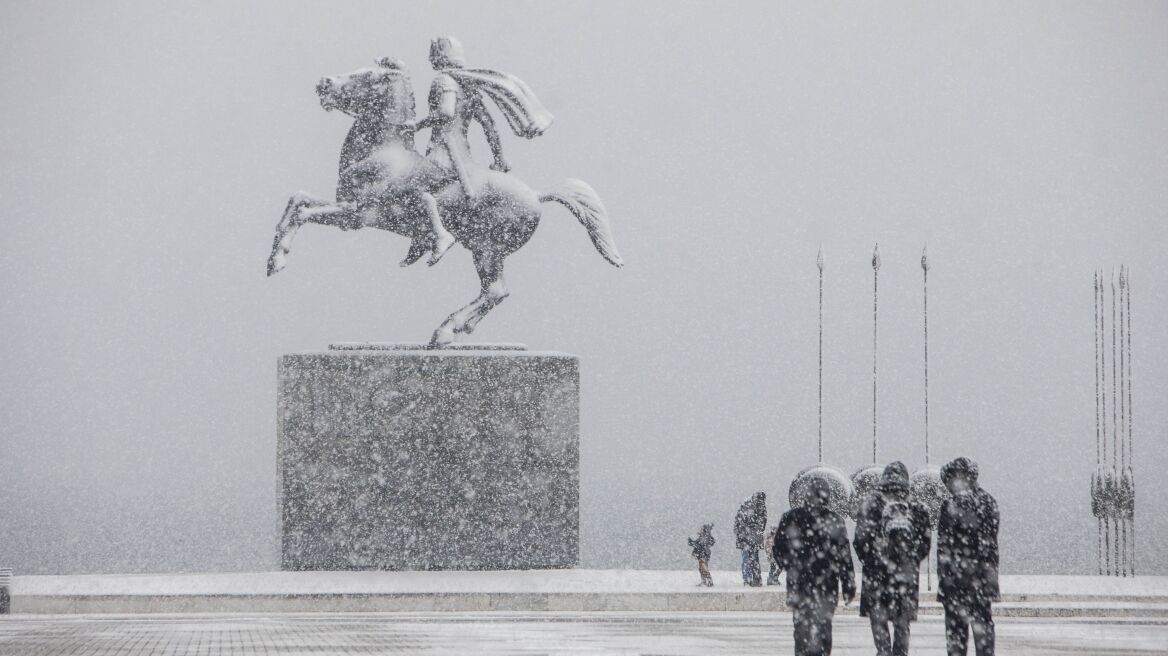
(383, 181)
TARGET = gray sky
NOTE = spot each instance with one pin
(149, 148)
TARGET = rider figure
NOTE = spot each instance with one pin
(454, 101)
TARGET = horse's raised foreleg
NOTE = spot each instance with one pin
(305, 208)
(494, 290)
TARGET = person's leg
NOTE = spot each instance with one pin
(826, 613)
(755, 571)
(443, 240)
(878, 618)
(983, 630)
(956, 630)
(799, 617)
(704, 570)
(745, 567)
(901, 629)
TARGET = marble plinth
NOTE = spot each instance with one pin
(407, 459)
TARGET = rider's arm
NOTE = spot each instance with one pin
(443, 98)
(488, 122)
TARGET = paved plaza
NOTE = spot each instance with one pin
(528, 634)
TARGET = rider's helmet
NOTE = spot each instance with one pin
(446, 52)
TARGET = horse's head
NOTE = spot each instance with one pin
(383, 89)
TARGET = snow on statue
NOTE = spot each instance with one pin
(443, 197)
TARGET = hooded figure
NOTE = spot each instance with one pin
(749, 525)
(811, 544)
(967, 559)
(892, 538)
(702, 546)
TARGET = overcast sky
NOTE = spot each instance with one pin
(148, 149)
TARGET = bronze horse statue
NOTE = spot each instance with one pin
(384, 183)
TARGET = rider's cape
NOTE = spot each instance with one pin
(524, 112)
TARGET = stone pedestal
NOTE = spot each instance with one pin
(415, 459)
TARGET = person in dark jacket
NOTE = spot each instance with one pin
(702, 546)
(967, 559)
(768, 548)
(749, 524)
(892, 538)
(811, 544)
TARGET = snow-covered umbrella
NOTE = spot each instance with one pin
(842, 494)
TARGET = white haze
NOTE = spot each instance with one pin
(149, 148)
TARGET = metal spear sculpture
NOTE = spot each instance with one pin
(1113, 483)
(1097, 505)
(1114, 433)
(867, 479)
(1127, 485)
(843, 494)
(925, 483)
(1098, 480)
(1120, 483)
(875, 316)
(819, 264)
(925, 269)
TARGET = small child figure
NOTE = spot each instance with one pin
(701, 550)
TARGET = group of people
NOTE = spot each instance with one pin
(892, 537)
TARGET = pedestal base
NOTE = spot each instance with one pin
(416, 460)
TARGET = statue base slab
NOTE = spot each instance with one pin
(407, 459)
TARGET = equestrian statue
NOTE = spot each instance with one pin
(443, 197)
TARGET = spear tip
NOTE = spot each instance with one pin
(819, 259)
(876, 257)
(925, 257)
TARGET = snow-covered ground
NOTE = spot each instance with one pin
(680, 634)
(583, 581)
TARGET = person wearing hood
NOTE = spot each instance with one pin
(702, 546)
(892, 538)
(811, 544)
(967, 559)
(749, 524)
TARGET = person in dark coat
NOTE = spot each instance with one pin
(749, 524)
(768, 548)
(967, 559)
(892, 538)
(702, 546)
(811, 544)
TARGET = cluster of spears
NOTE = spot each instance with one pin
(1113, 485)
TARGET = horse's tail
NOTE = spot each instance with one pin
(582, 200)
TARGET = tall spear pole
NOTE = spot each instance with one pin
(1095, 489)
(1114, 417)
(1103, 406)
(1130, 458)
(925, 269)
(819, 263)
(1123, 458)
(875, 295)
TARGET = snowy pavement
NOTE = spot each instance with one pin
(682, 634)
(522, 591)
